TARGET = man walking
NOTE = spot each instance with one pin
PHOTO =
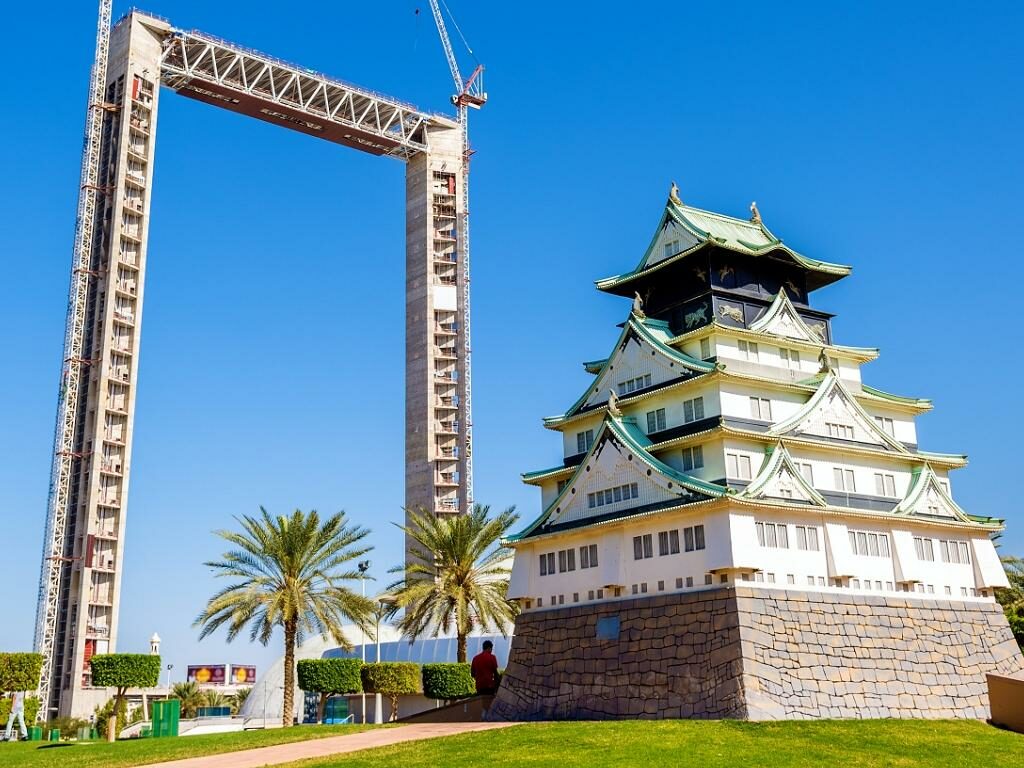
(485, 670)
(17, 710)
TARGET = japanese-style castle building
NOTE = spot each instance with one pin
(741, 527)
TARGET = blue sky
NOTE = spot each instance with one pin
(886, 136)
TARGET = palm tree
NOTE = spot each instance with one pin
(1012, 597)
(238, 699)
(190, 696)
(213, 698)
(287, 573)
(458, 577)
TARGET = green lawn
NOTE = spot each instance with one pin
(706, 744)
(33, 754)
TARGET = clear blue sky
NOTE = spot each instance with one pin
(887, 136)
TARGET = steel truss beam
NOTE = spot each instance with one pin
(208, 69)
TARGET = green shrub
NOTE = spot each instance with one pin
(20, 671)
(31, 709)
(392, 679)
(328, 677)
(68, 726)
(448, 681)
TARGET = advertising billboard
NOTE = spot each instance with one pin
(243, 674)
(208, 674)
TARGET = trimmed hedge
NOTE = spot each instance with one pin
(448, 681)
(392, 679)
(125, 670)
(31, 709)
(330, 675)
(20, 672)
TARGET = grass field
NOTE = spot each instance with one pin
(714, 744)
(902, 743)
(34, 754)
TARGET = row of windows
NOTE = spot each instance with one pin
(632, 385)
(951, 551)
(776, 535)
(640, 588)
(668, 542)
(567, 560)
(623, 492)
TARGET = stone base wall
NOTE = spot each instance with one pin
(756, 654)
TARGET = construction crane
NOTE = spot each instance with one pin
(56, 559)
(468, 93)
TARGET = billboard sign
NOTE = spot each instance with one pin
(208, 674)
(243, 674)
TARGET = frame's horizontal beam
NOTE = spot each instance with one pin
(225, 75)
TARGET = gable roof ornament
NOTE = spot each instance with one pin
(832, 402)
(673, 194)
(779, 474)
(638, 306)
(613, 404)
(927, 498)
(824, 364)
(755, 215)
(782, 319)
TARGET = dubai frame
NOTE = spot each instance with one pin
(83, 549)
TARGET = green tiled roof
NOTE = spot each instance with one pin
(747, 237)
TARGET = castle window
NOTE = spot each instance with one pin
(924, 549)
(807, 538)
(841, 431)
(886, 425)
(562, 484)
(869, 544)
(705, 349)
(668, 543)
(623, 492)
(632, 385)
(566, 560)
(761, 408)
(708, 578)
(844, 480)
(944, 485)
(693, 410)
(955, 552)
(693, 458)
(738, 466)
(772, 535)
(748, 350)
(643, 547)
(588, 556)
(584, 440)
(547, 563)
(790, 357)
(655, 420)
(671, 249)
(885, 485)
(693, 538)
(807, 471)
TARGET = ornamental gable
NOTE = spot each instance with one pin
(613, 479)
(632, 367)
(927, 498)
(832, 412)
(782, 319)
(670, 240)
(779, 479)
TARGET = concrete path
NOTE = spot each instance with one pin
(332, 745)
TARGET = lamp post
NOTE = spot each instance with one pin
(169, 668)
(383, 601)
(364, 566)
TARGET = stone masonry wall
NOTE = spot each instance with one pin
(674, 655)
(808, 654)
(756, 654)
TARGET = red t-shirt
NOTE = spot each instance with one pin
(485, 671)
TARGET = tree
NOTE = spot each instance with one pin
(191, 697)
(329, 677)
(238, 699)
(448, 681)
(1012, 597)
(392, 679)
(288, 573)
(458, 577)
(213, 698)
(123, 671)
(20, 671)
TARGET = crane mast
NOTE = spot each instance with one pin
(468, 93)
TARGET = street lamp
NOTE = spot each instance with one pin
(384, 604)
(364, 566)
(169, 668)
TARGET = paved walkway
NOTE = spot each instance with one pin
(332, 745)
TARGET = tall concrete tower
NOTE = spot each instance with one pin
(85, 534)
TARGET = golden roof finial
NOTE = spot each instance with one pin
(755, 215)
(613, 404)
(673, 194)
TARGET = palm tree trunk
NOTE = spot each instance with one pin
(461, 657)
(288, 710)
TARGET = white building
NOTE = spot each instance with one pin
(727, 437)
